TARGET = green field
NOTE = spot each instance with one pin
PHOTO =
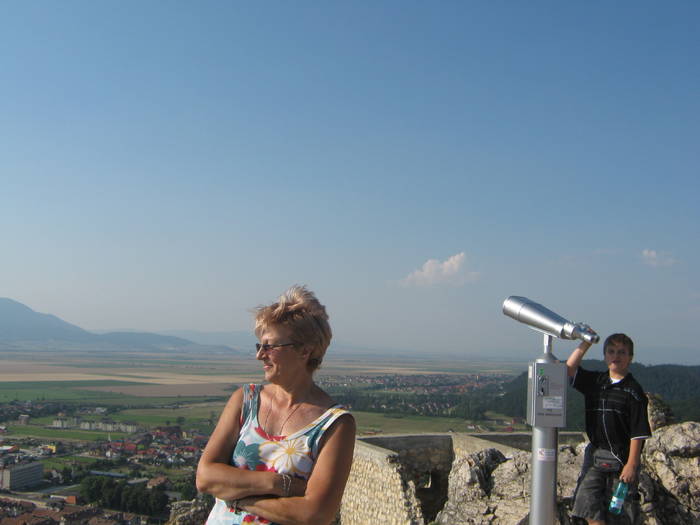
(199, 411)
(371, 422)
(195, 412)
(59, 462)
(173, 473)
(35, 431)
(148, 417)
(75, 392)
(198, 416)
(57, 390)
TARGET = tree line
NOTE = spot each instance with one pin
(118, 494)
(472, 406)
(676, 384)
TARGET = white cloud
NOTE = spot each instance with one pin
(655, 259)
(452, 271)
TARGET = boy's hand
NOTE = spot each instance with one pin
(629, 473)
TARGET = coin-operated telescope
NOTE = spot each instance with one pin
(546, 399)
(544, 320)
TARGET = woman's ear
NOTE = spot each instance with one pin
(305, 351)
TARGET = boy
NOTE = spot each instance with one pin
(616, 425)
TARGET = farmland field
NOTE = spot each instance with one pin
(371, 423)
(106, 392)
(160, 389)
(66, 434)
(161, 369)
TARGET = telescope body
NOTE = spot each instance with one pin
(544, 320)
(547, 382)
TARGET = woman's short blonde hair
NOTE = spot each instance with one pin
(299, 310)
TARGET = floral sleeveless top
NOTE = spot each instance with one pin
(256, 450)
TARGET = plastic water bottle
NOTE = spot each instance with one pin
(618, 497)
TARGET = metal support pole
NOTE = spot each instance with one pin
(546, 402)
(543, 487)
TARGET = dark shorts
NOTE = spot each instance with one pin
(593, 493)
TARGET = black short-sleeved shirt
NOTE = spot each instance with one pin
(615, 412)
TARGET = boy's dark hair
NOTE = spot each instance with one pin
(620, 339)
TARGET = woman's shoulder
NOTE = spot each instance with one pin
(248, 393)
(324, 400)
(333, 411)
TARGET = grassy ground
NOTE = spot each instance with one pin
(150, 471)
(77, 392)
(199, 411)
(198, 416)
(60, 462)
(54, 391)
(192, 414)
(18, 431)
(371, 422)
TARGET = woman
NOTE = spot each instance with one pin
(281, 452)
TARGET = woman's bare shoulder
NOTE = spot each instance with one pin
(323, 400)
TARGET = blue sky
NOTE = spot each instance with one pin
(169, 165)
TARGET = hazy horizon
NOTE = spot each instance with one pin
(243, 340)
(172, 165)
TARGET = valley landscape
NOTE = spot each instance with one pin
(139, 407)
(151, 380)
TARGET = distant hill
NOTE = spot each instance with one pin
(143, 338)
(676, 384)
(672, 382)
(21, 324)
(244, 340)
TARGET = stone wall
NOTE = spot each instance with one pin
(397, 480)
(489, 482)
(193, 512)
(462, 479)
(465, 444)
(404, 479)
(487, 487)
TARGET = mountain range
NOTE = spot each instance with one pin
(20, 325)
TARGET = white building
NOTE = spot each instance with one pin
(14, 477)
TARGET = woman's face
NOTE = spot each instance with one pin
(279, 361)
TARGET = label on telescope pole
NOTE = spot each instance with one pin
(546, 395)
(553, 402)
(546, 454)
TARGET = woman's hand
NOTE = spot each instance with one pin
(296, 489)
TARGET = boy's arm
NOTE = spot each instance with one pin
(629, 472)
(576, 357)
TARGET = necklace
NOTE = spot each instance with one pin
(269, 409)
(288, 416)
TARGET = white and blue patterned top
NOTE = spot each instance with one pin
(256, 450)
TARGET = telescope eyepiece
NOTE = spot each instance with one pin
(544, 320)
(585, 333)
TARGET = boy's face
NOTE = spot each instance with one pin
(618, 359)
